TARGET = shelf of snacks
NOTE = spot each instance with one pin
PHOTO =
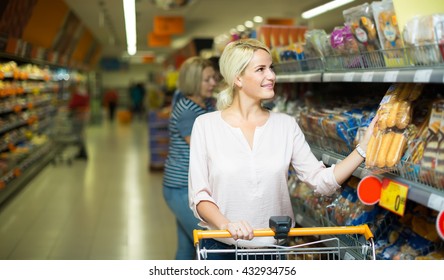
(369, 47)
(412, 236)
(419, 191)
(18, 168)
(405, 146)
(27, 95)
(368, 67)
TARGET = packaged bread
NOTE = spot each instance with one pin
(360, 20)
(390, 136)
(431, 163)
(387, 25)
(388, 33)
(422, 35)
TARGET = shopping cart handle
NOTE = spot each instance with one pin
(361, 229)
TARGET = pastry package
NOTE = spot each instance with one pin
(360, 20)
(388, 141)
(316, 43)
(342, 41)
(388, 33)
(423, 36)
(344, 49)
(432, 158)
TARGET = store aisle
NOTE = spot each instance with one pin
(110, 207)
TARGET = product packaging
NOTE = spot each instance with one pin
(423, 37)
(360, 20)
(388, 33)
(389, 139)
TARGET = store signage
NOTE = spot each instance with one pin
(168, 25)
(393, 196)
(155, 40)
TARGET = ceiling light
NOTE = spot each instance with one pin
(258, 19)
(324, 8)
(240, 28)
(249, 24)
(129, 9)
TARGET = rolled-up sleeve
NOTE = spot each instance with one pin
(198, 180)
(308, 168)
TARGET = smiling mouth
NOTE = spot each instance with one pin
(268, 86)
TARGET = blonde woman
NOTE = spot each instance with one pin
(240, 154)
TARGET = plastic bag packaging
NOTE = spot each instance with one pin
(432, 159)
(316, 43)
(360, 20)
(388, 33)
(389, 139)
(423, 35)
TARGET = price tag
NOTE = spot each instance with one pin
(422, 76)
(348, 77)
(440, 224)
(367, 77)
(307, 78)
(393, 196)
(436, 202)
(369, 190)
(391, 76)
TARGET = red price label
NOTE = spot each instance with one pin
(440, 224)
(393, 196)
(369, 190)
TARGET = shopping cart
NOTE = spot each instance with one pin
(327, 246)
(68, 133)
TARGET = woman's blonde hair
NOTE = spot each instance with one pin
(190, 75)
(233, 61)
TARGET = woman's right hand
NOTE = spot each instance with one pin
(240, 230)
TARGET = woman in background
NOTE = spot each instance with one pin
(197, 81)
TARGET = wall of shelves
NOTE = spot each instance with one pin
(28, 98)
(322, 70)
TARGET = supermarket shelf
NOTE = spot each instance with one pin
(307, 218)
(29, 169)
(299, 77)
(418, 192)
(422, 64)
(389, 75)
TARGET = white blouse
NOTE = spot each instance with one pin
(251, 183)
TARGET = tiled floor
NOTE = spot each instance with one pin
(110, 207)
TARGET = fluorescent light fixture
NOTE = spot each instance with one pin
(129, 10)
(325, 8)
